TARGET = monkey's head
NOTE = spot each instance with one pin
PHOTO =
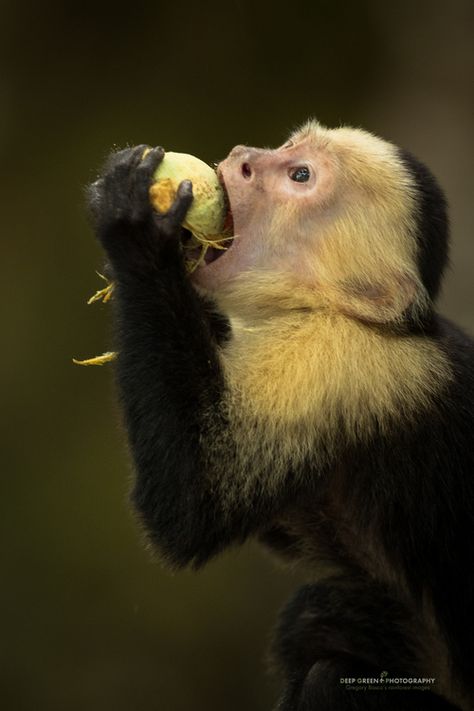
(335, 219)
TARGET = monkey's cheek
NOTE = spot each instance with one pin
(210, 279)
(218, 273)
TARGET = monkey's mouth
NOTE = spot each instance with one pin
(228, 227)
(227, 258)
(200, 251)
(227, 238)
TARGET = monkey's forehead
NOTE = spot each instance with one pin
(344, 140)
(359, 157)
(309, 131)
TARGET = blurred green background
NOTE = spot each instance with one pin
(88, 618)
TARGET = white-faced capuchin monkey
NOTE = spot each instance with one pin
(300, 388)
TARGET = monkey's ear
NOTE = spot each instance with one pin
(381, 301)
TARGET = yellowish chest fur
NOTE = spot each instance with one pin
(299, 379)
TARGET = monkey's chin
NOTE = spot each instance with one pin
(218, 266)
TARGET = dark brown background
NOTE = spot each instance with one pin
(89, 620)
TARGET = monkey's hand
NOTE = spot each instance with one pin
(134, 236)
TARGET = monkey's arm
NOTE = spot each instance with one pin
(169, 376)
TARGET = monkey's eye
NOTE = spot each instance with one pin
(300, 174)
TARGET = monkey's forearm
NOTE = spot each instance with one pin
(171, 389)
(170, 380)
(168, 373)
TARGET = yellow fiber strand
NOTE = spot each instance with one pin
(98, 360)
(104, 294)
(204, 243)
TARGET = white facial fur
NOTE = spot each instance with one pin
(346, 235)
(313, 267)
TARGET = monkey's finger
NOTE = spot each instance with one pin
(95, 199)
(177, 212)
(123, 159)
(119, 180)
(143, 179)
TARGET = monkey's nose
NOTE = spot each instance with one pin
(237, 151)
(244, 157)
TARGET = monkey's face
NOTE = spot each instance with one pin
(327, 218)
(276, 197)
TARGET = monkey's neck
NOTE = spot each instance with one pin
(318, 371)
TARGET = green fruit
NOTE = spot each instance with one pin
(205, 218)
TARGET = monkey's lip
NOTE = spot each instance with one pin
(212, 254)
(228, 225)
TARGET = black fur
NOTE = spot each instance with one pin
(399, 507)
(349, 628)
(432, 224)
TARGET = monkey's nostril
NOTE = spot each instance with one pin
(246, 171)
